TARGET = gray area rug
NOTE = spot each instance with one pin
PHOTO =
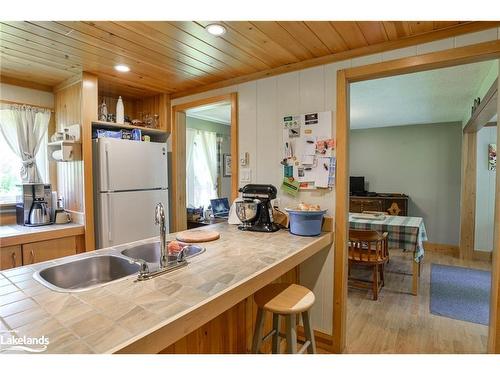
(460, 293)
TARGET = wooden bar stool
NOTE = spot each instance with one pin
(287, 300)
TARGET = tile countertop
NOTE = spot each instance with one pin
(13, 234)
(147, 316)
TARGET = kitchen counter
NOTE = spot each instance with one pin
(145, 317)
(14, 234)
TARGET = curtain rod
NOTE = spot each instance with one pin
(28, 104)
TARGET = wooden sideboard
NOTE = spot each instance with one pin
(393, 204)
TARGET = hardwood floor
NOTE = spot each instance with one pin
(402, 323)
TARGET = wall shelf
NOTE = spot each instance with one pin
(69, 150)
(158, 135)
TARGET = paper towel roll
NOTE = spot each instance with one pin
(57, 155)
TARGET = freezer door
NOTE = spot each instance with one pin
(130, 165)
(127, 216)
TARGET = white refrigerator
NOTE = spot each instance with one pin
(130, 178)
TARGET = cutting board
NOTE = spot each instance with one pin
(197, 235)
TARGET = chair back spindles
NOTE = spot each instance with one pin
(369, 248)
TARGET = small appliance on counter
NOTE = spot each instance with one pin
(255, 210)
(34, 205)
(61, 216)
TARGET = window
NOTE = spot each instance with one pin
(10, 167)
(201, 167)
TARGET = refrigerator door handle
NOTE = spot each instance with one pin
(106, 151)
(108, 215)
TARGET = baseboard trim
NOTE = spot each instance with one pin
(453, 250)
(484, 256)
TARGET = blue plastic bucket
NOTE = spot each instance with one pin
(305, 223)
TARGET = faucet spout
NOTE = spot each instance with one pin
(160, 220)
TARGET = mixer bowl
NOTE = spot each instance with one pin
(246, 210)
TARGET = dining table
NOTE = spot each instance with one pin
(406, 233)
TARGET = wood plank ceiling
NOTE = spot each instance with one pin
(177, 56)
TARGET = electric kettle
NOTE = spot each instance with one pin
(39, 214)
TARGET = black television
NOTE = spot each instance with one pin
(356, 185)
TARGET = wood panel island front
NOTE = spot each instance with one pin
(205, 307)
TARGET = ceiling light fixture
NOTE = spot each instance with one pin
(215, 29)
(122, 68)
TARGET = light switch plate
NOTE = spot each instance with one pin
(245, 175)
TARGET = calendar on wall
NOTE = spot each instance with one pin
(308, 152)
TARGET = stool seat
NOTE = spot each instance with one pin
(284, 298)
(288, 300)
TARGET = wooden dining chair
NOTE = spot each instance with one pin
(368, 248)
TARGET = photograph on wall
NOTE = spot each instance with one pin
(226, 165)
(492, 157)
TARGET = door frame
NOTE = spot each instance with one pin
(435, 60)
(178, 184)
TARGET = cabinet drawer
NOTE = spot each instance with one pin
(10, 257)
(46, 250)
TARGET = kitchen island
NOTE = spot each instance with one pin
(150, 316)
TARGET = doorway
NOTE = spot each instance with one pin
(204, 140)
(208, 164)
(430, 61)
(405, 142)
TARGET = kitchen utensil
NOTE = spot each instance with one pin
(197, 235)
(62, 217)
(246, 211)
(39, 214)
(256, 211)
(305, 223)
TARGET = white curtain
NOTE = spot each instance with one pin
(24, 129)
(201, 167)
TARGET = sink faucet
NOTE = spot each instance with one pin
(160, 220)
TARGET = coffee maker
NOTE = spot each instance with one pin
(34, 205)
(255, 211)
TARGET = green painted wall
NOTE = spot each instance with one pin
(422, 161)
(225, 131)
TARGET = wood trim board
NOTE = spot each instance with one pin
(45, 235)
(468, 195)
(435, 60)
(89, 114)
(341, 215)
(485, 111)
(23, 83)
(494, 331)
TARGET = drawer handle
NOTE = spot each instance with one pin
(13, 259)
(32, 256)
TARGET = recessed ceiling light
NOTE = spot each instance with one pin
(122, 68)
(215, 29)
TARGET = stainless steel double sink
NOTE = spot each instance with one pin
(97, 270)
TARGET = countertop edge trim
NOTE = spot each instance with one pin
(24, 238)
(165, 334)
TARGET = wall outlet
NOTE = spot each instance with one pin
(245, 175)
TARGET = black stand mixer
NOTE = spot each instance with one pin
(255, 211)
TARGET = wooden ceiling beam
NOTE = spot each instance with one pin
(22, 83)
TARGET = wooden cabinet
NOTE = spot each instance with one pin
(41, 251)
(360, 205)
(392, 204)
(10, 257)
